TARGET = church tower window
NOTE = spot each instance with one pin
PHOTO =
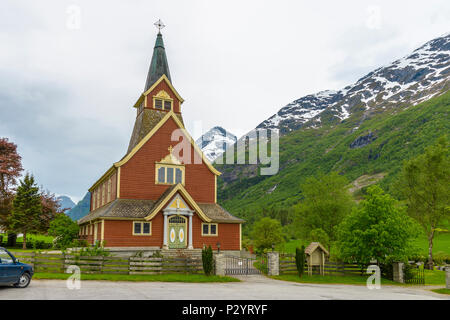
(162, 101)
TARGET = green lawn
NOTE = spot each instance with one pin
(40, 237)
(442, 291)
(432, 277)
(358, 280)
(125, 277)
(441, 244)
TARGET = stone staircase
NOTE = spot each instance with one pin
(174, 253)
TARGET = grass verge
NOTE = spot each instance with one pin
(356, 280)
(432, 277)
(442, 291)
(151, 277)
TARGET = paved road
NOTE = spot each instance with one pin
(253, 288)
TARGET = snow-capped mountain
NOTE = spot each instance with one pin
(214, 142)
(415, 78)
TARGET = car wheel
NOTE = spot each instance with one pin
(24, 281)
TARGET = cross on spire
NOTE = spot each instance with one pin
(159, 24)
(170, 149)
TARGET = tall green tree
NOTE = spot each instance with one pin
(326, 202)
(26, 208)
(267, 232)
(300, 259)
(64, 229)
(377, 229)
(425, 184)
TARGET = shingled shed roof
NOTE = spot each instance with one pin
(313, 246)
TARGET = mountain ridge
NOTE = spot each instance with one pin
(215, 141)
(370, 135)
(410, 80)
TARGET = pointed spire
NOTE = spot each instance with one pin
(158, 65)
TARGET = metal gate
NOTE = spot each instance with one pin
(240, 266)
(414, 275)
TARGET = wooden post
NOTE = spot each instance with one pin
(101, 264)
(33, 259)
(129, 265)
(63, 264)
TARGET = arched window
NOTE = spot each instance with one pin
(177, 219)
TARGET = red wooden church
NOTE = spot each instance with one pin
(153, 198)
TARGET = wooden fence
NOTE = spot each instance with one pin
(58, 263)
(288, 266)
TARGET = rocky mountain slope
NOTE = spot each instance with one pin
(407, 81)
(365, 129)
(81, 209)
(65, 202)
(214, 142)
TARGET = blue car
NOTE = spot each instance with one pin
(13, 272)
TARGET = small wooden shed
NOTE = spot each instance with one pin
(316, 255)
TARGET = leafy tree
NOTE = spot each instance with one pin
(300, 260)
(425, 184)
(10, 165)
(318, 235)
(26, 208)
(64, 229)
(10, 170)
(267, 232)
(50, 209)
(377, 229)
(326, 202)
(208, 260)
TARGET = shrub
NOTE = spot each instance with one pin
(207, 260)
(441, 258)
(417, 257)
(64, 229)
(408, 271)
(39, 244)
(97, 250)
(80, 243)
(300, 260)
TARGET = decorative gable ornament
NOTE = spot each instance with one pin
(170, 158)
(163, 95)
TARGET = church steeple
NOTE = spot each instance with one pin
(158, 65)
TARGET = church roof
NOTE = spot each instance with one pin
(139, 209)
(145, 122)
(167, 116)
(158, 65)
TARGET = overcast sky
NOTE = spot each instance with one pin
(70, 71)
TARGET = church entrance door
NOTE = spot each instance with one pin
(177, 232)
